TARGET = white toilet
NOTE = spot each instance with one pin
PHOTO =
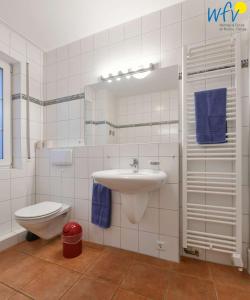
(45, 219)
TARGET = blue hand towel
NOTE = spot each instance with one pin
(210, 113)
(101, 206)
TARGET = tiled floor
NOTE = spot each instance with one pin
(37, 270)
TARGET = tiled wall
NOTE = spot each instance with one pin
(157, 37)
(156, 107)
(74, 185)
(17, 185)
(141, 118)
(64, 123)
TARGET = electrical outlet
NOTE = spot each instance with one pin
(161, 246)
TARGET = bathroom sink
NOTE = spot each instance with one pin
(129, 182)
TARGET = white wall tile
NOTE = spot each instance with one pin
(101, 39)
(116, 214)
(18, 187)
(111, 151)
(87, 44)
(129, 150)
(148, 243)
(170, 166)
(62, 88)
(62, 69)
(75, 65)
(169, 196)
(68, 188)
(151, 22)
(129, 239)
(5, 211)
(51, 57)
(18, 43)
(132, 28)
(151, 45)
(149, 150)
(62, 53)
(43, 167)
(193, 30)
(171, 37)
(168, 149)
(169, 223)
(116, 34)
(42, 186)
(95, 234)
(82, 190)
(82, 209)
(75, 109)
(74, 48)
(112, 237)
(171, 251)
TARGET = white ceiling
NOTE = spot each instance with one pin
(53, 23)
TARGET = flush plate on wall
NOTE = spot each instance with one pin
(61, 157)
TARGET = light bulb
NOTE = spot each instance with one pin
(128, 76)
(110, 81)
(118, 78)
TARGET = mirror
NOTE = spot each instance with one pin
(133, 110)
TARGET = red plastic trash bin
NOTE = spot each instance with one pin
(72, 240)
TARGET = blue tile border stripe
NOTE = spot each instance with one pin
(24, 97)
(64, 99)
(49, 102)
(131, 125)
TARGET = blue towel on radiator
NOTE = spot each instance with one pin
(101, 206)
(210, 113)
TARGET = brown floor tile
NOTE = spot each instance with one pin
(226, 292)
(94, 245)
(230, 276)
(81, 263)
(91, 289)
(19, 296)
(17, 269)
(193, 267)
(112, 265)
(147, 280)
(30, 247)
(5, 292)
(53, 253)
(127, 295)
(141, 258)
(32, 266)
(52, 283)
(185, 287)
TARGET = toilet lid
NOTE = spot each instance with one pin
(38, 210)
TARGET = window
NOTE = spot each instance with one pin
(5, 115)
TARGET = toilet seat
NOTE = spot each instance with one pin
(38, 211)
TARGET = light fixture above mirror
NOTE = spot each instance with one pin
(139, 73)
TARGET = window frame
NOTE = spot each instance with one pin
(7, 156)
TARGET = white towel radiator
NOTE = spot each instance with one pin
(212, 217)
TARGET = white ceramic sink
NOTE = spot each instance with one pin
(135, 188)
(128, 182)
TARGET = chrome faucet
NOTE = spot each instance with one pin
(135, 165)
